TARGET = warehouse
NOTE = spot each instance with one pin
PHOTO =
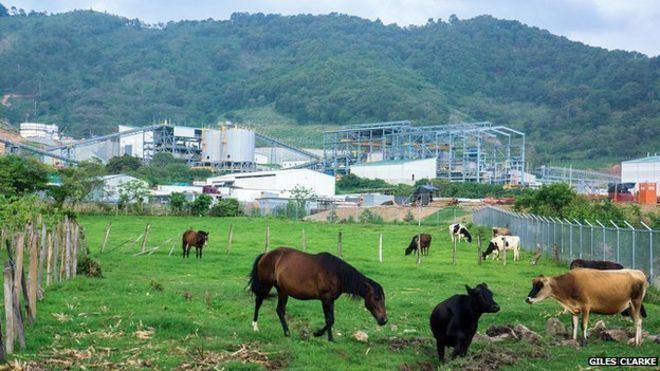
(251, 186)
(642, 170)
(397, 171)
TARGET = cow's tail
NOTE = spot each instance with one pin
(642, 311)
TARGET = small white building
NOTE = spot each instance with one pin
(108, 191)
(397, 171)
(162, 193)
(251, 186)
(642, 170)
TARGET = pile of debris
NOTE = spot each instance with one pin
(518, 332)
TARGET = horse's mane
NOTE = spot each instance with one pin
(353, 283)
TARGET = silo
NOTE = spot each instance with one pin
(211, 145)
(239, 145)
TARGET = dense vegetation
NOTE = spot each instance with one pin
(90, 71)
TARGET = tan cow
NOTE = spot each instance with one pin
(584, 290)
(501, 231)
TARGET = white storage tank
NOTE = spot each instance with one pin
(37, 130)
(238, 145)
(211, 145)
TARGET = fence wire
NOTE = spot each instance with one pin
(591, 240)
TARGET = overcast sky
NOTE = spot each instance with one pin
(612, 24)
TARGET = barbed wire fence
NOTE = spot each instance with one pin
(637, 248)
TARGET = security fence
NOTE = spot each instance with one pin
(637, 248)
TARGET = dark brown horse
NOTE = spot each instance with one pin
(191, 238)
(305, 276)
(424, 244)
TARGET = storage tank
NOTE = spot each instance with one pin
(211, 145)
(238, 145)
(37, 130)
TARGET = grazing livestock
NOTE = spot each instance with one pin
(454, 321)
(306, 276)
(603, 265)
(424, 244)
(502, 244)
(459, 232)
(192, 238)
(595, 264)
(584, 291)
(501, 231)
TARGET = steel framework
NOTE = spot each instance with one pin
(468, 152)
(584, 181)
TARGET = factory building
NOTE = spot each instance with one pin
(642, 170)
(397, 171)
(33, 130)
(252, 186)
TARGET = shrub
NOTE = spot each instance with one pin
(227, 207)
(409, 218)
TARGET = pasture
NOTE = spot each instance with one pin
(166, 312)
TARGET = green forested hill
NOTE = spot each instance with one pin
(90, 71)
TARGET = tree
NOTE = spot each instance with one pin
(133, 192)
(178, 202)
(123, 164)
(21, 175)
(76, 183)
(200, 206)
(226, 207)
(3, 11)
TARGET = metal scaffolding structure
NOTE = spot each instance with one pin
(468, 152)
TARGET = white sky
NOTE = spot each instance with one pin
(612, 24)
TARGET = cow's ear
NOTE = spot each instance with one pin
(469, 290)
(484, 284)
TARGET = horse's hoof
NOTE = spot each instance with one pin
(318, 333)
(287, 333)
(255, 326)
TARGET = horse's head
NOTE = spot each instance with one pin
(374, 300)
(202, 238)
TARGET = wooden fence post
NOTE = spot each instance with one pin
(49, 258)
(230, 238)
(145, 236)
(67, 267)
(380, 247)
(267, 244)
(32, 280)
(419, 248)
(63, 253)
(42, 259)
(18, 266)
(453, 252)
(479, 248)
(340, 246)
(9, 306)
(504, 258)
(108, 227)
(555, 250)
(304, 240)
(75, 248)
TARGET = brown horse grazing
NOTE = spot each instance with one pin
(305, 276)
(424, 244)
(192, 238)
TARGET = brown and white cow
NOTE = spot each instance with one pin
(584, 291)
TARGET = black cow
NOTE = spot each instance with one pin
(595, 264)
(424, 244)
(454, 321)
(191, 238)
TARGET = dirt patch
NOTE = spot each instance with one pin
(493, 357)
(200, 359)
(397, 344)
(424, 366)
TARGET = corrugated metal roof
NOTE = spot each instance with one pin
(655, 158)
(391, 162)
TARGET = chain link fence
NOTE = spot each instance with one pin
(637, 248)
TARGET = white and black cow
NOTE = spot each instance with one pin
(458, 232)
(502, 244)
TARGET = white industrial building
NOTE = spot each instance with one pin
(397, 171)
(36, 130)
(252, 186)
(642, 170)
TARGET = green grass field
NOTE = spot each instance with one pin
(166, 312)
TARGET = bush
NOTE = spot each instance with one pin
(89, 267)
(201, 205)
(369, 217)
(226, 207)
(332, 216)
(409, 218)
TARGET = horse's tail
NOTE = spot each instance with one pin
(255, 285)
